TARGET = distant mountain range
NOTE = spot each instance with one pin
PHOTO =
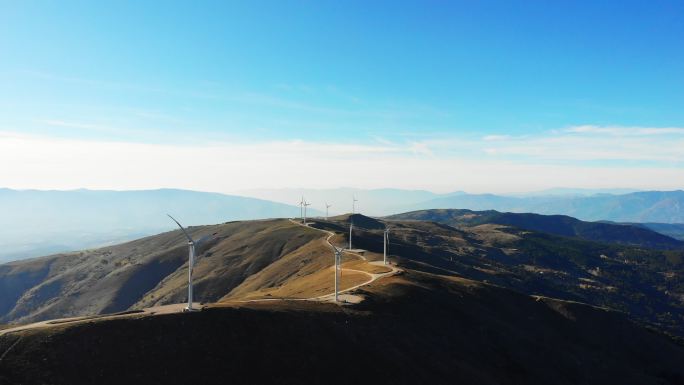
(590, 205)
(38, 223)
(645, 206)
(674, 230)
(370, 202)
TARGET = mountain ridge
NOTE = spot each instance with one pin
(643, 206)
(562, 225)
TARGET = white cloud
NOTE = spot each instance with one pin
(492, 138)
(30, 161)
(421, 148)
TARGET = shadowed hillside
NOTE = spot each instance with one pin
(645, 283)
(414, 328)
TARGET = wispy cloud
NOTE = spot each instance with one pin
(598, 143)
(62, 123)
(625, 131)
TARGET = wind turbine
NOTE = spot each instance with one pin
(191, 261)
(338, 258)
(305, 205)
(301, 208)
(327, 206)
(351, 220)
(384, 248)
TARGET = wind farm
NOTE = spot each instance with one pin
(323, 192)
(248, 273)
(298, 280)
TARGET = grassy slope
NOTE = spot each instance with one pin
(150, 271)
(311, 268)
(252, 259)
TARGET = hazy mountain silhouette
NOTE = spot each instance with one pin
(617, 205)
(42, 222)
(646, 206)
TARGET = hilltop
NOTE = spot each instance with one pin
(280, 258)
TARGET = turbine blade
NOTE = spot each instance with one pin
(182, 229)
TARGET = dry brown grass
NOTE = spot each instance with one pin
(492, 234)
(258, 255)
(365, 266)
(310, 286)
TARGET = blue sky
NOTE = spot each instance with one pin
(568, 86)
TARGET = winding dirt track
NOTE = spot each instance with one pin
(373, 277)
(341, 293)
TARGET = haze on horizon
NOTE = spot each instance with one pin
(490, 96)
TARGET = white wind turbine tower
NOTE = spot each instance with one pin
(301, 209)
(327, 206)
(305, 203)
(191, 260)
(351, 220)
(338, 258)
(385, 242)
